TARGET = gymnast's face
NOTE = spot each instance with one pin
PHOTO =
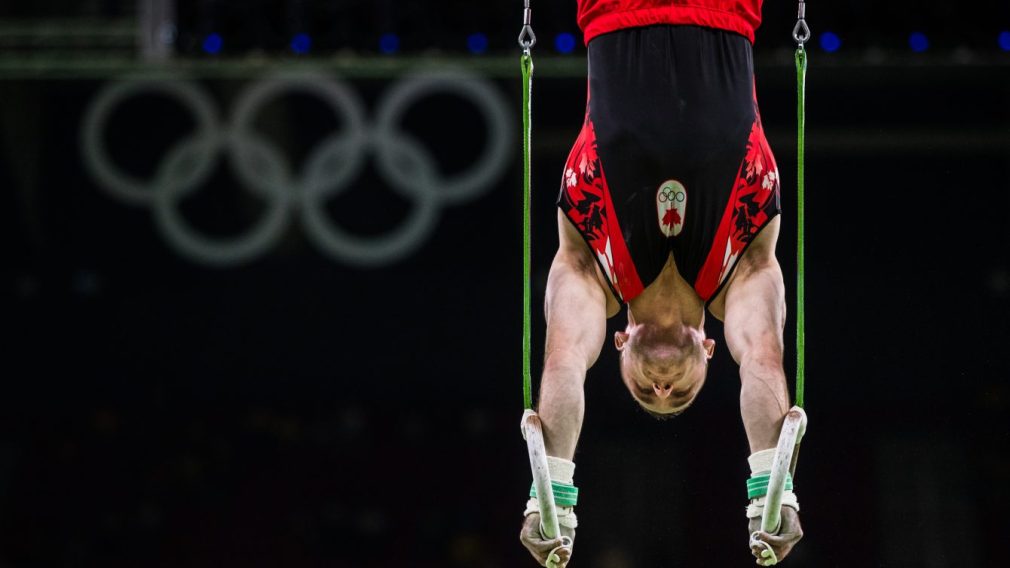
(664, 369)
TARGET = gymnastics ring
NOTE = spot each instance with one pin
(768, 559)
(786, 453)
(566, 543)
(793, 429)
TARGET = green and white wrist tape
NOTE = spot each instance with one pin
(757, 485)
(566, 495)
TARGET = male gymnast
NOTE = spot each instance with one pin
(669, 204)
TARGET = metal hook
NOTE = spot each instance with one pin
(527, 39)
(801, 33)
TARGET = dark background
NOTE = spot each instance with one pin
(297, 410)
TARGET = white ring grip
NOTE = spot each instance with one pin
(566, 542)
(768, 557)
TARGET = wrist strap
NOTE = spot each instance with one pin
(757, 506)
(757, 485)
(566, 495)
(566, 515)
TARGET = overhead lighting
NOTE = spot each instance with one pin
(564, 42)
(212, 44)
(918, 42)
(476, 43)
(830, 42)
(301, 44)
(389, 43)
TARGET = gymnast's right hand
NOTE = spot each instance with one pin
(540, 547)
(782, 543)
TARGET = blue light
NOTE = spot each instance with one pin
(565, 42)
(918, 42)
(212, 44)
(389, 43)
(476, 43)
(1004, 41)
(830, 42)
(301, 44)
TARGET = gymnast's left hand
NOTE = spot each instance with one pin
(540, 547)
(782, 543)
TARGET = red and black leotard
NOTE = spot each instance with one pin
(672, 157)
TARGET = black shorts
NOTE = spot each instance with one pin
(671, 158)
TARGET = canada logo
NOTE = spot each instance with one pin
(671, 203)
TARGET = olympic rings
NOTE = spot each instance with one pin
(330, 168)
(669, 193)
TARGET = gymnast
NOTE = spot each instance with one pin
(669, 206)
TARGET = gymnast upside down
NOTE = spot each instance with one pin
(669, 205)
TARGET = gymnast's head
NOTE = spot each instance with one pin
(664, 368)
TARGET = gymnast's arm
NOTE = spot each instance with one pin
(755, 312)
(576, 327)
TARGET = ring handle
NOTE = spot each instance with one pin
(534, 434)
(793, 428)
(768, 557)
(566, 543)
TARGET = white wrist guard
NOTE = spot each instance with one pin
(562, 471)
(566, 515)
(761, 463)
(757, 506)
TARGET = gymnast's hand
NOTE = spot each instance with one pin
(540, 547)
(789, 534)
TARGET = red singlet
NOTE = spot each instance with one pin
(601, 16)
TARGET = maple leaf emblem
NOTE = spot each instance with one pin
(570, 179)
(671, 218)
(755, 167)
(769, 181)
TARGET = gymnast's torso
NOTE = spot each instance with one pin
(671, 171)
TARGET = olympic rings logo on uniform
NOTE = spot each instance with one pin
(330, 168)
(671, 193)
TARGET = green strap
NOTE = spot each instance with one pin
(527, 66)
(757, 486)
(565, 495)
(801, 103)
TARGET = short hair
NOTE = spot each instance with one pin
(645, 348)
